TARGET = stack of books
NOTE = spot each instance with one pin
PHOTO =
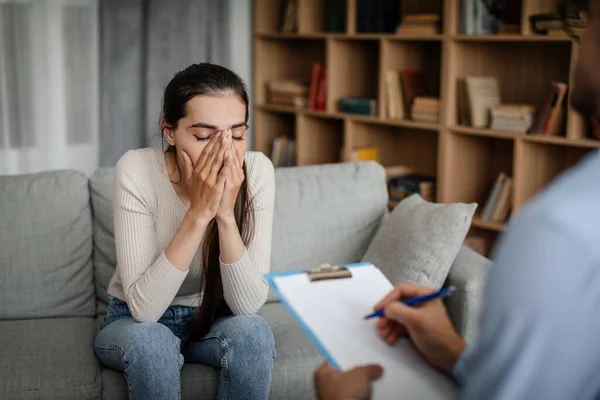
(552, 23)
(512, 117)
(287, 93)
(358, 105)
(401, 187)
(498, 204)
(419, 24)
(425, 109)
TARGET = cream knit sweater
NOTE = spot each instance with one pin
(148, 212)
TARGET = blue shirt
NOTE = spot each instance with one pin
(539, 334)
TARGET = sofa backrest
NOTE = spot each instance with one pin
(46, 246)
(327, 213)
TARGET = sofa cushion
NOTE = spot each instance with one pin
(105, 257)
(49, 359)
(46, 252)
(419, 240)
(295, 363)
(326, 213)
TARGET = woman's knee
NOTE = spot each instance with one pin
(252, 338)
(145, 344)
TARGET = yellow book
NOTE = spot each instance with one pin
(365, 154)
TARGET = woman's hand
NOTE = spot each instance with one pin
(205, 181)
(234, 176)
(331, 384)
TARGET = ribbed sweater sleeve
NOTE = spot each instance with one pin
(244, 287)
(150, 282)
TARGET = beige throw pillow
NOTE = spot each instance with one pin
(419, 240)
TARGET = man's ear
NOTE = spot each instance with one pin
(168, 133)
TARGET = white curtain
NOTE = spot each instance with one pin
(49, 86)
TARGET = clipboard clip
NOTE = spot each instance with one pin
(326, 271)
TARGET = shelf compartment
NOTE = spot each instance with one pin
(356, 66)
(472, 164)
(318, 140)
(279, 60)
(271, 125)
(514, 64)
(538, 164)
(400, 55)
(412, 148)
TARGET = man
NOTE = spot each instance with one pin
(540, 323)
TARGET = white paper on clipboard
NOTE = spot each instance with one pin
(332, 313)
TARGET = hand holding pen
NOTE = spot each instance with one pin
(420, 314)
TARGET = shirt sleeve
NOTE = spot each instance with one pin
(539, 326)
(244, 287)
(150, 282)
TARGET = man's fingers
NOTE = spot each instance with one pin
(370, 371)
(401, 314)
(402, 291)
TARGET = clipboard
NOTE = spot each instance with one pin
(329, 304)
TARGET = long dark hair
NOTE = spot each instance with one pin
(195, 80)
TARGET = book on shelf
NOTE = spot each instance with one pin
(394, 97)
(499, 201)
(475, 96)
(413, 84)
(283, 153)
(550, 117)
(400, 187)
(480, 17)
(381, 16)
(419, 24)
(317, 91)
(287, 92)
(512, 117)
(425, 109)
(336, 16)
(358, 105)
(289, 20)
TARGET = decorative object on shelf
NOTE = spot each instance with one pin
(377, 16)
(283, 152)
(370, 153)
(289, 20)
(549, 120)
(476, 95)
(287, 92)
(512, 117)
(419, 24)
(499, 202)
(552, 23)
(481, 17)
(358, 105)
(425, 109)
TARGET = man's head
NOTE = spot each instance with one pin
(585, 95)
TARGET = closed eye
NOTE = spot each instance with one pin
(202, 139)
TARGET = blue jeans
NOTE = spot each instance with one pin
(149, 354)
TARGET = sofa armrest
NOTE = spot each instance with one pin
(468, 274)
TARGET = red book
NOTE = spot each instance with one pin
(314, 86)
(322, 95)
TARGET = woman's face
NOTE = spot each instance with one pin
(206, 115)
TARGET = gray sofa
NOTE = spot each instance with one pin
(57, 256)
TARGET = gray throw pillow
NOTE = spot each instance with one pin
(419, 240)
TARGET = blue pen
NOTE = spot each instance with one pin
(444, 292)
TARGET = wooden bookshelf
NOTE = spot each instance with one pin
(465, 160)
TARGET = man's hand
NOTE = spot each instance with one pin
(353, 384)
(428, 326)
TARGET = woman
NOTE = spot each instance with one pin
(193, 234)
